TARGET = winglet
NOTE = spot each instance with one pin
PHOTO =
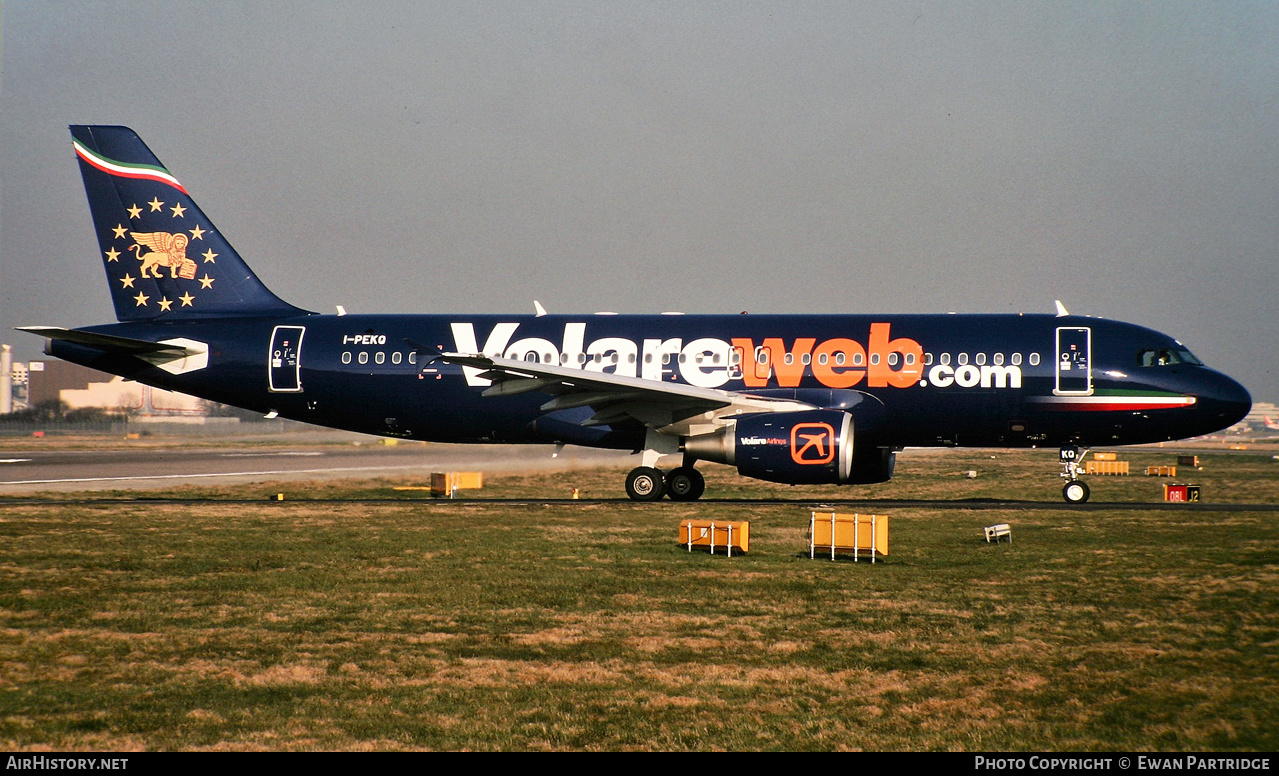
(1061, 309)
(538, 309)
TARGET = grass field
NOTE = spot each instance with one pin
(474, 625)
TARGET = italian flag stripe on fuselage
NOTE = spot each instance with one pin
(1111, 403)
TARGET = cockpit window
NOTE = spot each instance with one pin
(1167, 357)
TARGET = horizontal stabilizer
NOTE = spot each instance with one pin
(174, 356)
(125, 346)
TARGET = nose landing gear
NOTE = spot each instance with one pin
(1075, 491)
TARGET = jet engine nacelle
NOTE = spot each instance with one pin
(808, 448)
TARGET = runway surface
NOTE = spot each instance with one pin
(28, 471)
(298, 456)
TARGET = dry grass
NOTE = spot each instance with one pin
(472, 625)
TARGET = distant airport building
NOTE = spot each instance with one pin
(79, 387)
(1262, 415)
(6, 379)
(46, 380)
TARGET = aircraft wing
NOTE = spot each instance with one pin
(668, 408)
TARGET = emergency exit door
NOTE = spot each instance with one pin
(1074, 361)
(285, 370)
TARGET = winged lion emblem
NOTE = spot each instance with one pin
(167, 250)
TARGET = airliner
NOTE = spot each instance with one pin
(798, 399)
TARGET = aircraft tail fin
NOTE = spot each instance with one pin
(163, 257)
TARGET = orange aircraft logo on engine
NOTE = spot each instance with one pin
(812, 443)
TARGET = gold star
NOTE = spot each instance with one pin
(165, 304)
(178, 210)
(127, 280)
(197, 233)
(155, 204)
(119, 231)
(206, 281)
(113, 255)
(209, 256)
(187, 299)
(135, 212)
(141, 299)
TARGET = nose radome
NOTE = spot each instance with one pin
(1230, 400)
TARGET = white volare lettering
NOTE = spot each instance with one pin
(708, 372)
(520, 350)
(659, 350)
(710, 362)
(606, 349)
(495, 345)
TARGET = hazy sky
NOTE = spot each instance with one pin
(707, 157)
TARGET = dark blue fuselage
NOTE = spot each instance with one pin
(908, 380)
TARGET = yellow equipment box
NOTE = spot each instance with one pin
(1105, 456)
(448, 483)
(1106, 467)
(709, 534)
(855, 533)
(1161, 471)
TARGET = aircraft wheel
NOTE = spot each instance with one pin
(685, 484)
(645, 483)
(1076, 492)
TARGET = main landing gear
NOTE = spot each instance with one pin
(648, 483)
(1075, 490)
